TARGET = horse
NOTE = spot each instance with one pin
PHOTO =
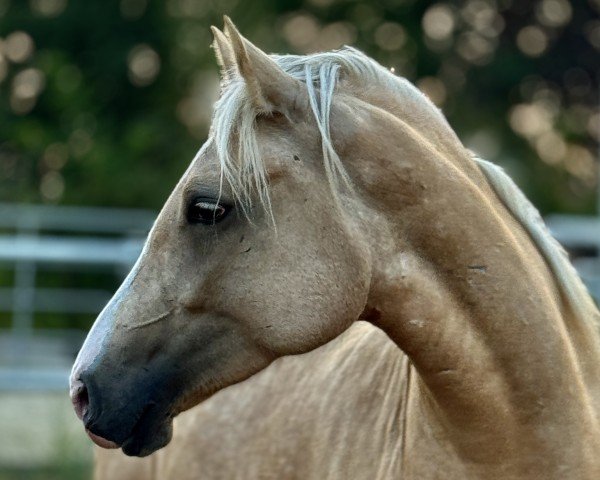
(330, 190)
(341, 421)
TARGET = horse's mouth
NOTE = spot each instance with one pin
(101, 441)
(151, 432)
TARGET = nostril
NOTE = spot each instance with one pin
(79, 398)
(81, 401)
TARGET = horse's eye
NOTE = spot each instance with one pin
(206, 211)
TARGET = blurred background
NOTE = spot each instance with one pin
(103, 104)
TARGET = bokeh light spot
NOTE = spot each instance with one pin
(144, 64)
(390, 36)
(48, 8)
(300, 31)
(55, 156)
(194, 110)
(554, 13)
(479, 14)
(52, 186)
(439, 22)
(475, 48)
(18, 46)
(593, 126)
(28, 83)
(551, 147)
(591, 30)
(335, 35)
(530, 120)
(580, 163)
(532, 41)
(26, 86)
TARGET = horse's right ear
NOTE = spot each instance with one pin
(270, 88)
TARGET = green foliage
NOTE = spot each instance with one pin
(119, 98)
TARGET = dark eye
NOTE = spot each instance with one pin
(206, 211)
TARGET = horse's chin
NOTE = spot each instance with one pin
(148, 436)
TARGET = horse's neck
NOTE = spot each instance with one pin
(467, 295)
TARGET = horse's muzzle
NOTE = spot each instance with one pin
(117, 417)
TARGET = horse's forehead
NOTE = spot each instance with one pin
(207, 155)
(276, 147)
(205, 163)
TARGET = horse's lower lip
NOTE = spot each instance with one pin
(101, 442)
(150, 433)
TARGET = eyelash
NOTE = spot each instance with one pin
(206, 211)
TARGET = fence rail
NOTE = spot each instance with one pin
(37, 238)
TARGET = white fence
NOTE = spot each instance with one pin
(38, 238)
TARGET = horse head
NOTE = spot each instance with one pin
(232, 275)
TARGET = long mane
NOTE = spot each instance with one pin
(233, 131)
(556, 257)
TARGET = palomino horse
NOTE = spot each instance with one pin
(330, 190)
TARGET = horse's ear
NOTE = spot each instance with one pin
(224, 54)
(270, 87)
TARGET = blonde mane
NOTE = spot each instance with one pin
(242, 168)
(567, 278)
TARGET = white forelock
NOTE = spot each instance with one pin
(234, 118)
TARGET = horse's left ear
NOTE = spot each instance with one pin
(224, 54)
(271, 89)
